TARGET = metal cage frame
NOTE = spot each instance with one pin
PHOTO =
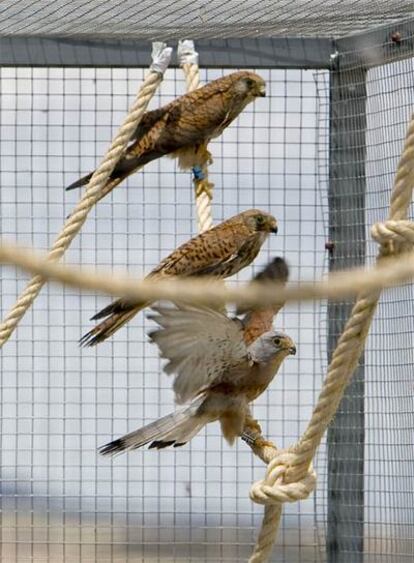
(344, 58)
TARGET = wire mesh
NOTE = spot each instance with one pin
(389, 525)
(370, 465)
(127, 19)
(61, 501)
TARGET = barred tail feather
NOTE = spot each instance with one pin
(120, 306)
(174, 429)
(121, 171)
(109, 186)
(108, 327)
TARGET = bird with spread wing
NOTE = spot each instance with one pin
(216, 372)
(183, 128)
(219, 252)
(256, 321)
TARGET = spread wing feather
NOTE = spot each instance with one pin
(201, 345)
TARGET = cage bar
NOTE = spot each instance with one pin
(346, 247)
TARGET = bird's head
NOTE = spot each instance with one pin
(259, 221)
(272, 344)
(250, 85)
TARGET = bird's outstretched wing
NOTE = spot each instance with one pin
(202, 346)
(258, 321)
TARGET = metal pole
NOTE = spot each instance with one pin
(346, 195)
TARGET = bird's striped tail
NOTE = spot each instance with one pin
(111, 324)
(174, 429)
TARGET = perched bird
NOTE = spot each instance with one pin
(183, 128)
(215, 373)
(257, 321)
(219, 252)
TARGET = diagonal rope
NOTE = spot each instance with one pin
(161, 55)
(289, 475)
(203, 189)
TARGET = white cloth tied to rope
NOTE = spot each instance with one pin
(186, 52)
(161, 56)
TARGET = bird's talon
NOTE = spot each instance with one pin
(253, 426)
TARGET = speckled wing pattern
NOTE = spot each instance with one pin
(219, 252)
(201, 345)
(187, 121)
(183, 127)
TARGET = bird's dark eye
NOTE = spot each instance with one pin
(249, 82)
(260, 220)
(276, 341)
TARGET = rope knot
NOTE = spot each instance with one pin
(394, 237)
(273, 489)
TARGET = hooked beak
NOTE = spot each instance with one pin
(292, 350)
(262, 91)
(274, 230)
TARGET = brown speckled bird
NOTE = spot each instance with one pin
(216, 373)
(219, 252)
(183, 128)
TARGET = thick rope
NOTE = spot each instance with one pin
(293, 467)
(161, 56)
(390, 272)
(203, 189)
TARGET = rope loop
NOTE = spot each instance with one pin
(394, 237)
(274, 490)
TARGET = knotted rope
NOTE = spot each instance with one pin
(290, 476)
(188, 58)
(161, 55)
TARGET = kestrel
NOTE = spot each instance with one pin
(216, 373)
(219, 252)
(183, 128)
(256, 322)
